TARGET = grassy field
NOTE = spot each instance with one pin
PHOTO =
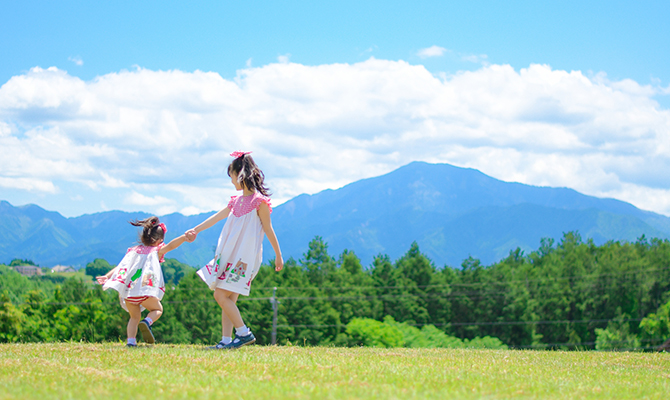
(105, 371)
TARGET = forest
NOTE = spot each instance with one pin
(571, 295)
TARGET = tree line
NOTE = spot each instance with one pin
(567, 295)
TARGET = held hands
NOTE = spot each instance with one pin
(191, 234)
(101, 279)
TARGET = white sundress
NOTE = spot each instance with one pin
(239, 252)
(139, 274)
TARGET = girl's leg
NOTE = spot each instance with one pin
(243, 335)
(155, 311)
(227, 302)
(135, 315)
(155, 308)
(226, 323)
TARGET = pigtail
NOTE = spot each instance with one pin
(153, 231)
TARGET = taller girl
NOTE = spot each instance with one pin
(239, 252)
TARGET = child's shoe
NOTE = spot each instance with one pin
(218, 346)
(147, 334)
(240, 341)
(131, 345)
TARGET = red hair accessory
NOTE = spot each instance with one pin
(238, 154)
(162, 225)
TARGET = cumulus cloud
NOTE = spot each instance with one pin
(28, 184)
(162, 138)
(140, 199)
(482, 59)
(432, 51)
(76, 60)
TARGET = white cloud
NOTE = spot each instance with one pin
(112, 182)
(162, 138)
(368, 51)
(284, 58)
(432, 51)
(142, 200)
(477, 59)
(76, 60)
(28, 184)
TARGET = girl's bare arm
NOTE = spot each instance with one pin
(174, 243)
(103, 278)
(208, 223)
(264, 214)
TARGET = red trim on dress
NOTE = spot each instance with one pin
(136, 299)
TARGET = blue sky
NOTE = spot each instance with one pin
(548, 93)
(625, 39)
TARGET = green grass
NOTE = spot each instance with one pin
(103, 371)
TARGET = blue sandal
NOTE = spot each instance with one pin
(147, 334)
(240, 341)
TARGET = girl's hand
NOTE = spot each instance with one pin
(191, 234)
(279, 264)
(101, 279)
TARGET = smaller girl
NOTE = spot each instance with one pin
(139, 279)
(239, 252)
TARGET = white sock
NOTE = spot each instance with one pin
(242, 331)
(149, 320)
(132, 340)
(226, 339)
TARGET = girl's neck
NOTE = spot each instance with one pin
(247, 192)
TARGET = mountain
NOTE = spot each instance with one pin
(451, 212)
(454, 213)
(48, 238)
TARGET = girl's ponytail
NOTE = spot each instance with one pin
(248, 173)
(153, 231)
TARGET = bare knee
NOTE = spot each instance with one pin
(153, 304)
(225, 294)
(219, 294)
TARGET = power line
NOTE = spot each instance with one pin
(452, 324)
(464, 295)
(380, 297)
(473, 323)
(489, 323)
(548, 279)
(448, 285)
(453, 296)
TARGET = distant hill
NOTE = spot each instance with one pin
(451, 212)
(48, 238)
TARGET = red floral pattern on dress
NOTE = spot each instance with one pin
(141, 249)
(242, 205)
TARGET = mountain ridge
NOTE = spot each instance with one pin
(451, 212)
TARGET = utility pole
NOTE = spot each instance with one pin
(275, 307)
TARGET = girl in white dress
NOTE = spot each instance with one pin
(139, 279)
(239, 252)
